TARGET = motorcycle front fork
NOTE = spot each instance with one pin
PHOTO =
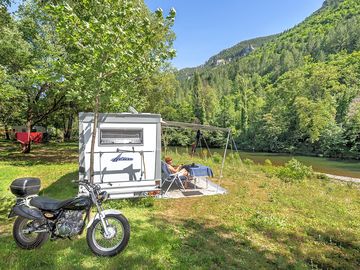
(104, 222)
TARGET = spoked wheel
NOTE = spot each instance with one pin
(23, 236)
(109, 245)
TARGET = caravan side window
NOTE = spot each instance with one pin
(110, 136)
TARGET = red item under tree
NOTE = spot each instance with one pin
(25, 137)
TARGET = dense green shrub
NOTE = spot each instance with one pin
(216, 157)
(248, 161)
(234, 156)
(267, 162)
(322, 176)
(294, 171)
(5, 206)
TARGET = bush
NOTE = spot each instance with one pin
(5, 206)
(216, 157)
(205, 153)
(267, 162)
(322, 176)
(294, 171)
(248, 161)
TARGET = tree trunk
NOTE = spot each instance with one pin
(95, 123)
(7, 134)
(68, 128)
(26, 147)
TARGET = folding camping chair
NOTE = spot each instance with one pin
(171, 178)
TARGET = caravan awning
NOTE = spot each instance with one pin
(192, 126)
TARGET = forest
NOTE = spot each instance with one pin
(293, 92)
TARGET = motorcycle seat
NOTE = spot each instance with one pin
(44, 203)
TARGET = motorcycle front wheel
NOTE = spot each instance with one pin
(112, 244)
(23, 236)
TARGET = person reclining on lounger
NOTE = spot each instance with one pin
(177, 169)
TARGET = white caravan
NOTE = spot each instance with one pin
(127, 153)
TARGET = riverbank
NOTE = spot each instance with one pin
(343, 178)
(346, 168)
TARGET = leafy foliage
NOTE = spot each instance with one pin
(111, 46)
(29, 49)
(64, 55)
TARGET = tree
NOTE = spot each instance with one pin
(313, 117)
(111, 47)
(198, 99)
(40, 79)
(332, 141)
(226, 112)
(157, 92)
(352, 129)
(9, 96)
(243, 86)
(4, 14)
(28, 50)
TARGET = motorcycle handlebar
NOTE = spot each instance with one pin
(87, 184)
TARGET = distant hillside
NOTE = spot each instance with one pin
(292, 92)
(233, 53)
(239, 50)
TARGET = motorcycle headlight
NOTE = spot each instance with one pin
(103, 196)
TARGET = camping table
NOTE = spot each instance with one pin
(200, 170)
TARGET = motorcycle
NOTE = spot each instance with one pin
(39, 218)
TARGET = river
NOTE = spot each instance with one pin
(349, 168)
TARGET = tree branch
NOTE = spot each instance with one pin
(55, 107)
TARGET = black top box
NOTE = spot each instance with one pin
(26, 186)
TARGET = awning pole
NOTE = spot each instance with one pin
(223, 161)
(165, 142)
(207, 147)
(236, 149)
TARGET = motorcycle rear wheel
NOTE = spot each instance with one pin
(27, 240)
(102, 246)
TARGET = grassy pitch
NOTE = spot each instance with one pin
(262, 223)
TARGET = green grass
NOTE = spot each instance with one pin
(262, 223)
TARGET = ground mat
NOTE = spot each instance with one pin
(191, 193)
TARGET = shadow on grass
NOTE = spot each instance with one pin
(40, 153)
(218, 248)
(327, 249)
(344, 246)
(336, 238)
(63, 188)
(145, 251)
(156, 243)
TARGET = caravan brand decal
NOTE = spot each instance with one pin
(120, 158)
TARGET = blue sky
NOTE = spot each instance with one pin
(205, 27)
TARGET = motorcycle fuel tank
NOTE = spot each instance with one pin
(78, 203)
